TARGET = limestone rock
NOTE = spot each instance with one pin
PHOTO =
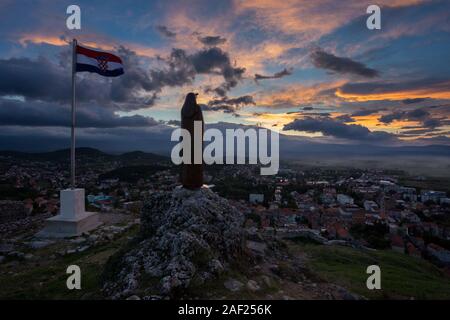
(267, 281)
(252, 285)
(39, 244)
(257, 247)
(233, 285)
(186, 237)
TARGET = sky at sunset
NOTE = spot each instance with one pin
(304, 68)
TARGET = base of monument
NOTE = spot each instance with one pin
(62, 227)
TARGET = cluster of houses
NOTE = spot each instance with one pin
(410, 218)
(328, 204)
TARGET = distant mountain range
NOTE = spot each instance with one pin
(64, 154)
(155, 141)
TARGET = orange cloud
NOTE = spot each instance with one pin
(38, 39)
(296, 95)
(310, 18)
(395, 95)
(104, 44)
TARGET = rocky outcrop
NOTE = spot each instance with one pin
(187, 237)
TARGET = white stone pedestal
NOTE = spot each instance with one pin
(72, 220)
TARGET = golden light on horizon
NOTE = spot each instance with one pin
(398, 95)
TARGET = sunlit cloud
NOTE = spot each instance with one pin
(395, 95)
(104, 44)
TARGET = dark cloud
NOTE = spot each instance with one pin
(223, 107)
(212, 40)
(415, 100)
(176, 123)
(365, 112)
(127, 89)
(337, 129)
(388, 118)
(45, 81)
(183, 67)
(42, 80)
(277, 75)
(432, 123)
(415, 132)
(215, 61)
(324, 60)
(417, 114)
(48, 114)
(165, 31)
(237, 102)
(380, 87)
(139, 87)
(443, 139)
(229, 105)
(219, 91)
(421, 115)
(179, 71)
(318, 114)
(38, 97)
(344, 118)
(308, 108)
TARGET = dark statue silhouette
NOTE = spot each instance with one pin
(191, 174)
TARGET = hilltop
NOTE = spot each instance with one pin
(63, 155)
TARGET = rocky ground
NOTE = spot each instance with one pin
(32, 268)
(192, 245)
(187, 238)
(184, 245)
(26, 226)
(21, 245)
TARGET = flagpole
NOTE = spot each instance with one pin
(72, 145)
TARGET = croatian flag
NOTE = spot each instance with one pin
(103, 63)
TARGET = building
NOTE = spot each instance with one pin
(388, 185)
(370, 206)
(256, 198)
(344, 199)
(430, 195)
(327, 198)
(408, 194)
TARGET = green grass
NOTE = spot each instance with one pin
(402, 276)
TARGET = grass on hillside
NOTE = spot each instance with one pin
(402, 276)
